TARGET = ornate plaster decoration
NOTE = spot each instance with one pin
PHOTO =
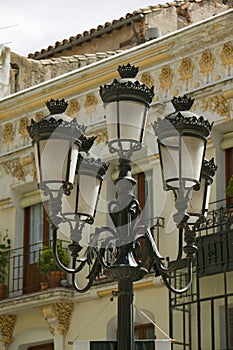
(8, 134)
(186, 71)
(206, 63)
(23, 123)
(15, 169)
(101, 137)
(73, 108)
(217, 104)
(48, 314)
(147, 79)
(57, 315)
(38, 116)
(7, 324)
(165, 78)
(226, 55)
(63, 313)
(90, 104)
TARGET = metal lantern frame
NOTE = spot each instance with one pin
(209, 169)
(120, 92)
(56, 127)
(94, 169)
(126, 251)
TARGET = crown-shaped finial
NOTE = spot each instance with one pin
(209, 167)
(127, 71)
(56, 106)
(182, 103)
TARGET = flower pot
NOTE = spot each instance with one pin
(3, 291)
(55, 278)
(44, 285)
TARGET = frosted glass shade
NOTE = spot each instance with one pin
(181, 159)
(56, 161)
(83, 200)
(199, 202)
(125, 124)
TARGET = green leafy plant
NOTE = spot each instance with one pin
(47, 263)
(5, 246)
(229, 189)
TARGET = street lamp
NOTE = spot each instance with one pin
(125, 251)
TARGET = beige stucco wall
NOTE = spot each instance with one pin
(196, 67)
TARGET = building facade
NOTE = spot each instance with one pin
(196, 60)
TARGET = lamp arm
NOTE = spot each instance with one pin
(188, 285)
(58, 261)
(157, 256)
(92, 275)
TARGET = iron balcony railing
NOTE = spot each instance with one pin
(23, 273)
(215, 252)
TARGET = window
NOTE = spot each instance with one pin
(229, 169)
(144, 194)
(36, 234)
(144, 331)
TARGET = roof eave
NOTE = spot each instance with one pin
(85, 38)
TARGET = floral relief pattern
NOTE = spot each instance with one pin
(165, 78)
(38, 116)
(226, 55)
(90, 104)
(102, 136)
(217, 104)
(206, 63)
(15, 168)
(8, 135)
(147, 79)
(186, 71)
(23, 123)
(7, 324)
(61, 312)
(73, 108)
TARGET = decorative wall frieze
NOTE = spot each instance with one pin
(8, 134)
(166, 78)
(7, 324)
(147, 79)
(58, 317)
(186, 71)
(218, 104)
(206, 63)
(101, 137)
(90, 104)
(20, 167)
(226, 55)
(23, 123)
(73, 108)
(15, 169)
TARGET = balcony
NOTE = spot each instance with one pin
(215, 242)
(23, 274)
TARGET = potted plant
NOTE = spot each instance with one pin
(229, 189)
(5, 246)
(48, 268)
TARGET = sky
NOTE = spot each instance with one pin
(27, 26)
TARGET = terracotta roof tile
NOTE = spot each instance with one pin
(87, 35)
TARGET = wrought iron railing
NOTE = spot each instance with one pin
(23, 274)
(215, 252)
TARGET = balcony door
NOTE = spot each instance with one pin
(36, 235)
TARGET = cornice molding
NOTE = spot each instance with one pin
(84, 79)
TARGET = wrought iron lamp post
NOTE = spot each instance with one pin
(73, 181)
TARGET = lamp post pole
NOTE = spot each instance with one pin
(72, 178)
